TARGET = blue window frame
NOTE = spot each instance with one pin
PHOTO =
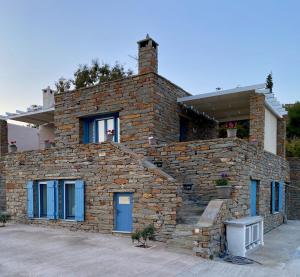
(55, 199)
(276, 197)
(95, 129)
(69, 200)
(42, 196)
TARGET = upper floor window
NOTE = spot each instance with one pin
(101, 128)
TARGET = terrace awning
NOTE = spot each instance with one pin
(37, 117)
(232, 104)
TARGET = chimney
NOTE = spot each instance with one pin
(48, 98)
(147, 55)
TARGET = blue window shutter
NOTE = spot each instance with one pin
(280, 197)
(79, 200)
(253, 187)
(273, 196)
(61, 192)
(51, 199)
(30, 205)
(85, 132)
(56, 199)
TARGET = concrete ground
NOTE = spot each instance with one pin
(38, 251)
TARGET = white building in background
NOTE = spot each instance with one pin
(28, 138)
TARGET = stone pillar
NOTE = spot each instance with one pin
(3, 138)
(147, 55)
(281, 136)
(257, 119)
(3, 151)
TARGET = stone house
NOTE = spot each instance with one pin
(141, 150)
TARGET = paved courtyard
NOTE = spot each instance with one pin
(38, 251)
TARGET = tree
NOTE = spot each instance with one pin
(63, 85)
(293, 125)
(95, 74)
(269, 82)
(293, 130)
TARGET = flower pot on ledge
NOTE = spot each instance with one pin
(110, 137)
(13, 148)
(231, 133)
(223, 192)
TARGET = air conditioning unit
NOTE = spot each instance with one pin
(244, 235)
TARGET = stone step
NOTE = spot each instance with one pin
(184, 242)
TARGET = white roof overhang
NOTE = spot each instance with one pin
(232, 104)
(38, 117)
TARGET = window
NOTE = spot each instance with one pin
(276, 197)
(56, 199)
(101, 128)
(42, 199)
(69, 201)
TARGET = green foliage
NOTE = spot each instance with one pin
(293, 125)
(269, 82)
(143, 236)
(63, 85)
(4, 217)
(222, 182)
(293, 148)
(95, 74)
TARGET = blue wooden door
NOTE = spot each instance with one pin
(123, 211)
(253, 188)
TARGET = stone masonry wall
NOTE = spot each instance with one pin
(2, 187)
(132, 97)
(146, 104)
(105, 168)
(257, 119)
(293, 196)
(202, 162)
(3, 152)
(264, 167)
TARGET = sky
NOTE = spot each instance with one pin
(202, 44)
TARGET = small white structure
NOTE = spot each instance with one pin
(244, 235)
(26, 138)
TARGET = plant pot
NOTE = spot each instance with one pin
(223, 192)
(231, 133)
(13, 148)
(109, 137)
(48, 144)
(152, 141)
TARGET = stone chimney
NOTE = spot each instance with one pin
(147, 55)
(48, 98)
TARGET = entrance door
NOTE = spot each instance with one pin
(253, 191)
(123, 211)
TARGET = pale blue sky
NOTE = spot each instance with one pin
(202, 44)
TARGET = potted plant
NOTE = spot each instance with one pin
(4, 217)
(223, 188)
(49, 144)
(142, 237)
(151, 140)
(13, 147)
(231, 128)
(110, 135)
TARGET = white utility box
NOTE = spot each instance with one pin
(244, 235)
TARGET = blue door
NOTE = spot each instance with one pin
(123, 211)
(253, 188)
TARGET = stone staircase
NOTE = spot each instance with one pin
(187, 217)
